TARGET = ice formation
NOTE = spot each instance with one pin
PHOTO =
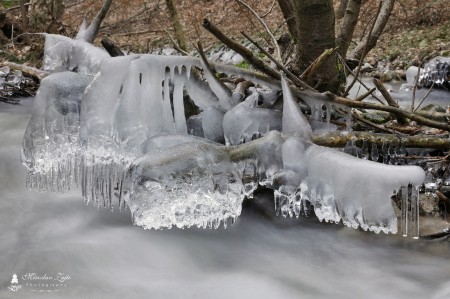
(123, 134)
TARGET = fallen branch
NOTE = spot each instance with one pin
(360, 81)
(391, 102)
(111, 48)
(28, 71)
(243, 51)
(312, 68)
(338, 139)
(291, 76)
(365, 95)
(274, 40)
(419, 119)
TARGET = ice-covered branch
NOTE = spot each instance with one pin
(91, 32)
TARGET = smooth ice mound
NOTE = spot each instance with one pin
(122, 135)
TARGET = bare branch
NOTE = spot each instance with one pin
(94, 27)
(274, 40)
(246, 53)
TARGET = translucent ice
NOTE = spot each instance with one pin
(65, 54)
(50, 142)
(126, 136)
(246, 122)
(186, 185)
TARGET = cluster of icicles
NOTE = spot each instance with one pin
(117, 129)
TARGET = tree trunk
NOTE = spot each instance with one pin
(348, 26)
(287, 8)
(316, 33)
(24, 16)
(59, 9)
(340, 12)
(179, 35)
(369, 42)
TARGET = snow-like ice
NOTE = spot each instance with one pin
(123, 134)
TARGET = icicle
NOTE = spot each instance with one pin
(188, 71)
(172, 73)
(365, 150)
(169, 123)
(415, 212)
(328, 115)
(348, 120)
(404, 208)
(178, 107)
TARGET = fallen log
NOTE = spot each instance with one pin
(339, 139)
(28, 71)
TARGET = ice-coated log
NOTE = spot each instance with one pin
(51, 140)
(368, 202)
(185, 185)
(65, 54)
(57, 52)
(127, 137)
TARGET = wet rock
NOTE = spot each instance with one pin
(367, 67)
(433, 108)
(378, 117)
(429, 205)
(372, 61)
(400, 74)
(389, 76)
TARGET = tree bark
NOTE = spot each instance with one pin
(340, 12)
(179, 35)
(111, 48)
(287, 8)
(24, 16)
(59, 9)
(316, 33)
(246, 53)
(369, 41)
(351, 13)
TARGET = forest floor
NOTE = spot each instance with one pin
(415, 33)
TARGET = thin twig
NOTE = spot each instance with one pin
(274, 40)
(424, 98)
(360, 81)
(365, 95)
(175, 45)
(414, 88)
(269, 11)
(291, 76)
(358, 69)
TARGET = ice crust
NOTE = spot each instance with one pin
(185, 185)
(122, 136)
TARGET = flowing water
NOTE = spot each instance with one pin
(106, 257)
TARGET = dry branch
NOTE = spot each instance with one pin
(111, 48)
(391, 102)
(246, 53)
(28, 71)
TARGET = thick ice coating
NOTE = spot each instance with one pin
(124, 134)
(51, 139)
(185, 185)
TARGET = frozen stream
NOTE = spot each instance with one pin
(107, 257)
